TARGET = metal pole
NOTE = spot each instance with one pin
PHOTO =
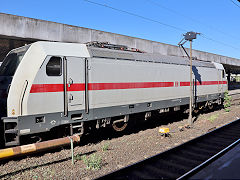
(191, 85)
(72, 150)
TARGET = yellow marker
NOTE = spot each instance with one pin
(6, 152)
(164, 130)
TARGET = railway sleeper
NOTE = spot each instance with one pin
(220, 143)
(141, 174)
(218, 138)
(180, 158)
(203, 150)
(196, 155)
(231, 134)
(212, 147)
(235, 128)
(235, 132)
(196, 151)
(161, 171)
(232, 131)
(226, 138)
(177, 164)
(149, 172)
(168, 166)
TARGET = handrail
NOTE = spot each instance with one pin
(65, 86)
(86, 87)
(22, 96)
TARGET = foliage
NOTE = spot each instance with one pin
(213, 117)
(78, 157)
(93, 162)
(227, 110)
(227, 101)
(105, 147)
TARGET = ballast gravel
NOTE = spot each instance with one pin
(115, 150)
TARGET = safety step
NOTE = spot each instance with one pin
(77, 126)
(11, 131)
(12, 143)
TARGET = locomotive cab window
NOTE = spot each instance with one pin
(11, 62)
(54, 66)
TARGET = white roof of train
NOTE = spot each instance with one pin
(81, 50)
(62, 49)
(145, 57)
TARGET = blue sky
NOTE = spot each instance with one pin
(217, 20)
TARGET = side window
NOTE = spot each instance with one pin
(54, 66)
(223, 73)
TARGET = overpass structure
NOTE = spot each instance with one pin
(16, 31)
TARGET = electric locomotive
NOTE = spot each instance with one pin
(69, 87)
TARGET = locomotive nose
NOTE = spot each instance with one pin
(5, 82)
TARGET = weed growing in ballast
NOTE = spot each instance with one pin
(227, 101)
(93, 162)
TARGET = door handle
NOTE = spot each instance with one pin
(70, 98)
(70, 82)
(22, 96)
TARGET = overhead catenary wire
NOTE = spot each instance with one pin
(193, 19)
(219, 42)
(137, 15)
(235, 3)
(159, 22)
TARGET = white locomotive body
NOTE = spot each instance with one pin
(54, 84)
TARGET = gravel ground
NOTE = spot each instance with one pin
(115, 151)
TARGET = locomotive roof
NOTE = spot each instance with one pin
(145, 57)
(81, 50)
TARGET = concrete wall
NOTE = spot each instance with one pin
(12, 26)
(8, 44)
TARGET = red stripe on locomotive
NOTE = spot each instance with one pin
(41, 88)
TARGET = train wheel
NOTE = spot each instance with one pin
(119, 126)
(210, 106)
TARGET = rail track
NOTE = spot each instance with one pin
(184, 160)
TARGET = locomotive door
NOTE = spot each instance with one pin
(220, 78)
(75, 83)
